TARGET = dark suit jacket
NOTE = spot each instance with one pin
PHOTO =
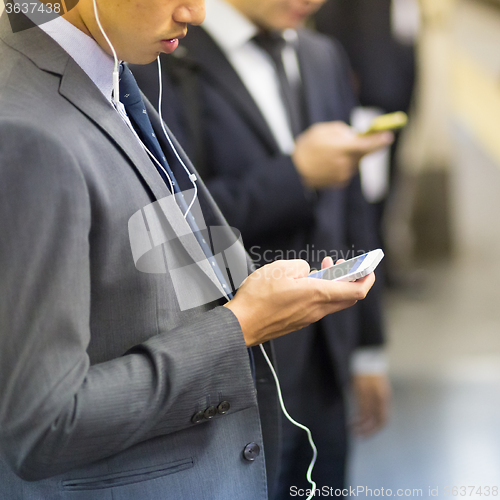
(257, 187)
(100, 369)
(385, 67)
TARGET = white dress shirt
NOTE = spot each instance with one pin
(97, 64)
(88, 54)
(233, 33)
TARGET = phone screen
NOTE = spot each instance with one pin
(340, 270)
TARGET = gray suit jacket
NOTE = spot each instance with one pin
(100, 370)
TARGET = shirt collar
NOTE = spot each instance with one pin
(85, 51)
(227, 26)
(231, 29)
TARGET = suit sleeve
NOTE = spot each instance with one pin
(57, 411)
(270, 198)
(360, 221)
(361, 236)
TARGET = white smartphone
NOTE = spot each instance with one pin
(351, 270)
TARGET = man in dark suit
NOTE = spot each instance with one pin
(288, 195)
(108, 387)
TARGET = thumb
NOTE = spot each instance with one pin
(373, 142)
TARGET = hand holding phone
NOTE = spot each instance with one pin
(276, 299)
(391, 121)
(352, 269)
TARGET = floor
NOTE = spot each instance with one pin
(445, 359)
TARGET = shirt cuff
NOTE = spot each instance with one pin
(369, 360)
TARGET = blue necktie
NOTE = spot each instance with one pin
(131, 98)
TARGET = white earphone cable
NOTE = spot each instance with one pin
(192, 177)
(116, 98)
(116, 76)
(294, 422)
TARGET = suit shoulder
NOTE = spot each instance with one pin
(12, 62)
(308, 36)
(23, 142)
(318, 42)
(25, 88)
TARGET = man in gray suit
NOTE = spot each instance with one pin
(108, 387)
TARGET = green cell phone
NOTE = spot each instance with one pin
(391, 121)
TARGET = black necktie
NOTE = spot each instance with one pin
(131, 98)
(273, 43)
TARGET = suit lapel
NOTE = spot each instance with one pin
(322, 102)
(33, 43)
(308, 68)
(202, 50)
(77, 88)
(212, 215)
(92, 103)
(89, 100)
(84, 98)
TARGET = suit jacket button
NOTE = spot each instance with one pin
(210, 412)
(223, 407)
(251, 451)
(198, 417)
